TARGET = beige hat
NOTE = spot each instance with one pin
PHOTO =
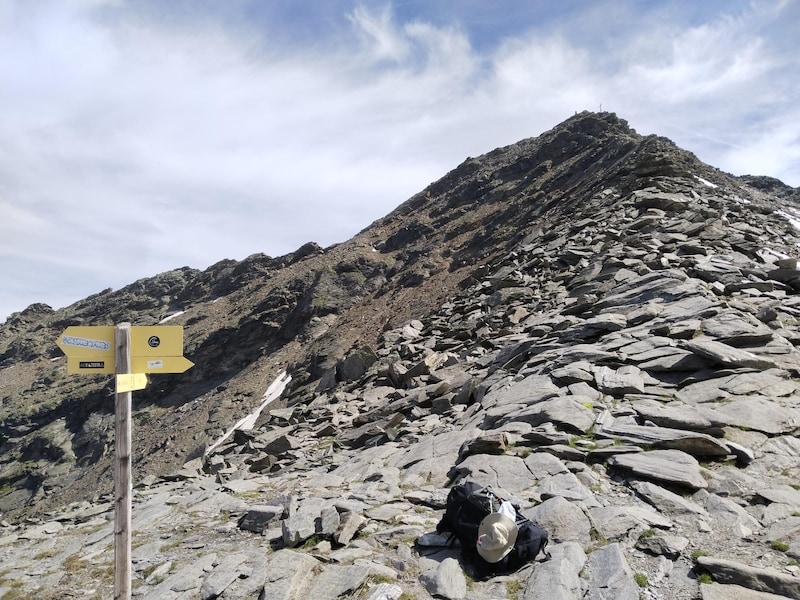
(496, 536)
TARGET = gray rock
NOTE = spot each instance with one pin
(431, 459)
(670, 466)
(328, 521)
(734, 592)
(563, 520)
(258, 517)
(337, 581)
(385, 591)
(624, 380)
(356, 364)
(567, 486)
(727, 356)
(446, 581)
(542, 464)
(529, 390)
(666, 501)
(616, 523)
(736, 329)
(558, 578)
(189, 578)
(286, 573)
(783, 494)
(674, 414)
(667, 545)
(761, 414)
(762, 580)
(298, 528)
(225, 572)
(509, 473)
(566, 413)
(696, 444)
(610, 576)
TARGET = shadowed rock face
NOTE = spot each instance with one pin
(592, 321)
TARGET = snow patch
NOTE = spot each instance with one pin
(794, 219)
(706, 182)
(247, 422)
(172, 316)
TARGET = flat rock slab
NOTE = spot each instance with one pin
(558, 578)
(728, 356)
(666, 501)
(336, 580)
(734, 592)
(564, 412)
(696, 444)
(675, 414)
(625, 380)
(568, 486)
(286, 572)
(610, 576)
(530, 390)
(670, 466)
(563, 520)
(783, 494)
(761, 414)
(509, 473)
(762, 580)
(617, 522)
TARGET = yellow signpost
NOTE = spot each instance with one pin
(154, 349)
(129, 353)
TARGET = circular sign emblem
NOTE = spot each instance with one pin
(153, 341)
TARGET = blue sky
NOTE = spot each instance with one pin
(142, 136)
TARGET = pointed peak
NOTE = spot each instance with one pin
(596, 123)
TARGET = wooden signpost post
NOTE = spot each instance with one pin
(123, 482)
(129, 353)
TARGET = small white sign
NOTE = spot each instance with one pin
(155, 364)
(80, 342)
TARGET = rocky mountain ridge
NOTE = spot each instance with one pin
(592, 321)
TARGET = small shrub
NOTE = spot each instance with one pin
(46, 554)
(598, 538)
(641, 580)
(704, 578)
(697, 554)
(647, 533)
(470, 582)
(779, 545)
(312, 541)
(513, 588)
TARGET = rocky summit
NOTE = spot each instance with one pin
(593, 322)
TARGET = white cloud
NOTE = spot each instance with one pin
(134, 145)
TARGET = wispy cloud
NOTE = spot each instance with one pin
(137, 140)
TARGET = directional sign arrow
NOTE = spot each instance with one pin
(91, 342)
(162, 364)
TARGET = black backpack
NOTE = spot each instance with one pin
(467, 505)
